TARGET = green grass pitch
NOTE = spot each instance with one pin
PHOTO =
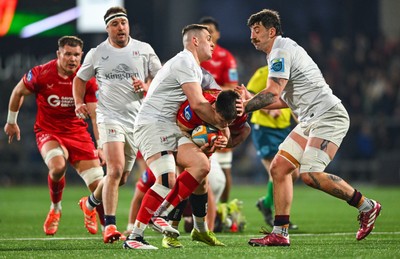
(327, 228)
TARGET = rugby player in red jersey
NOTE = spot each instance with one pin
(61, 134)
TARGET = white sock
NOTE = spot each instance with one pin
(366, 205)
(138, 229)
(281, 230)
(200, 224)
(56, 206)
(89, 206)
(93, 200)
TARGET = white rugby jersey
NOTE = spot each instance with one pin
(208, 82)
(165, 94)
(114, 68)
(306, 93)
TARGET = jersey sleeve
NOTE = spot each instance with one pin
(279, 64)
(86, 71)
(30, 79)
(187, 117)
(91, 91)
(154, 62)
(208, 82)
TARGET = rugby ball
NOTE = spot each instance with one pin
(203, 134)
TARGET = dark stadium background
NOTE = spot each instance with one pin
(355, 43)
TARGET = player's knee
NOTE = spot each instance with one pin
(281, 167)
(55, 152)
(55, 161)
(57, 174)
(57, 171)
(314, 160)
(115, 172)
(163, 165)
(275, 170)
(201, 166)
(92, 175)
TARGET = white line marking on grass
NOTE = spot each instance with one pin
(344, 234)
(184, 237)
(49, 238)
(330, 234)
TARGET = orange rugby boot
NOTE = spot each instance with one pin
(50, 225)
(111, 234)
(90, 216)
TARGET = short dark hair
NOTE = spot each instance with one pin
(192, 27)
(225, 104)
(72, 41)
(268, 18)
(209, 20)
(115, 9)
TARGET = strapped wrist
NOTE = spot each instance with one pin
(12, 117)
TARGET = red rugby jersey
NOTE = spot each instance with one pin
(54, 99)
(222, 66)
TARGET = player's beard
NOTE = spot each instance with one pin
(68, 70)
(121, 40)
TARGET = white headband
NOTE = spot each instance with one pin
(115, 16)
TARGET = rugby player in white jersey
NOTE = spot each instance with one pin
(161, 141)
(122, 66)
(295, 81)
(216, 177)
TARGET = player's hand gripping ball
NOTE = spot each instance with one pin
(204, 134)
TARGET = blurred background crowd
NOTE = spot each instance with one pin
(355, 43)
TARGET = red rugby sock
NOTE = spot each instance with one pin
(150, 203)
(56, 189)
(184, 186)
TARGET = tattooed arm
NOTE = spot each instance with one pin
(269, 97)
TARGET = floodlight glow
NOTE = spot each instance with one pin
(50, 22)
